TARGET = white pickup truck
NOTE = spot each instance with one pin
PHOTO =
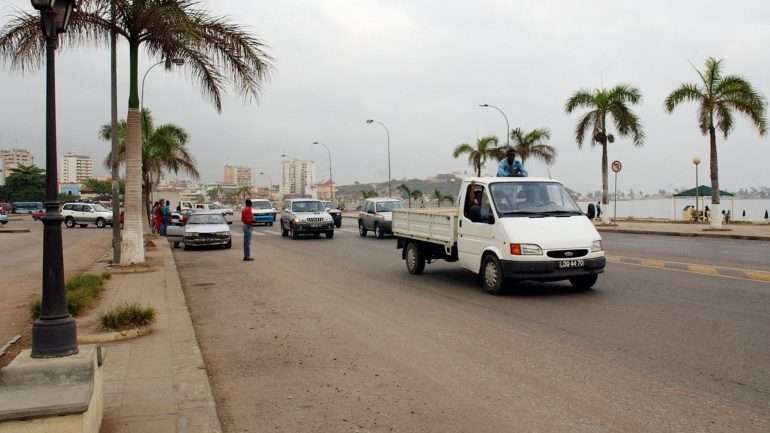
(505, 229)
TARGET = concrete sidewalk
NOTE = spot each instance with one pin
(157, 383)
(759, 232)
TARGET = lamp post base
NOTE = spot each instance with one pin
(54, 338)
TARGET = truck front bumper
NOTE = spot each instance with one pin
(550, 270)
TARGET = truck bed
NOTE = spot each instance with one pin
(438, 226)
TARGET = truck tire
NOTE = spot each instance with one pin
(361, 229)
(415, 260)
(176, 244)
(492, 275)
(330, 234)
(284, 231)
(292, 233)
(585, 282)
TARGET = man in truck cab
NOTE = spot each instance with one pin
(510, 167)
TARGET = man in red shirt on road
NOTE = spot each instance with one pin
(247, 218)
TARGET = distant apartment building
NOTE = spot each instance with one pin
(75, 168)
(13, 158)
(235, 175)
(325, 190)
(2, 172)
(297, 178)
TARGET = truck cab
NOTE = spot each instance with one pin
(506, 229)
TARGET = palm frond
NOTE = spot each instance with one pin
(685, 93)
(581, 98)
(461, 149)
(583, 125)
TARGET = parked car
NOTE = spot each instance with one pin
(38, 214)
(26, 207)
(301, 216)
(83, 214)
(201, 229)
(263, 212)
(505, 229)
(336, 214)
(376, 215)
(3, 218)
(6, 207)
(205, 207)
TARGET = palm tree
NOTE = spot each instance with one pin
(449, 197)
(216, 193)
(533, 144)
(604, 103)
(438, 196)
(368, 194)
(485, 147)
(244, 192)
(214, 51)
(410, 194)
(718, 98)
(164, 150)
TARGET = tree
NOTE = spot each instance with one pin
(440, 197)
(718, 98)
(368, 194)
(216, 193)
(101, 187)
(164, 150)
(409, 194)
(214, 51)
(486, 147)
(25, 183)
(244, 192)
(532, 144)
(603, 103)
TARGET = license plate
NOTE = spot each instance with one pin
(566, 264)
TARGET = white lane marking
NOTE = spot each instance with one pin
(259, 234)
(273, 233)
(348, 231)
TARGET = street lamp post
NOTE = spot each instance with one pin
(331, 181)
(387, 133)
(696, 161)
(176, 61)
(507, 124)
(270, 185)
(54, 333)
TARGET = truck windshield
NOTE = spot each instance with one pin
(307, 206)
(532, 199)
(388, 206)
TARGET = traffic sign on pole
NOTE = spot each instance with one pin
(616, 167)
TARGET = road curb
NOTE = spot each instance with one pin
(680, 234)
(15, 230)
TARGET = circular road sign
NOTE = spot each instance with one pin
(617, 166)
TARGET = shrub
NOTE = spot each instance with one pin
(106, 276)
(80, 292)
(127, 316)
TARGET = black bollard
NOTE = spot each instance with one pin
(744, 213)
(765, 214)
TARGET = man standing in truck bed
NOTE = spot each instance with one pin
(510, 167)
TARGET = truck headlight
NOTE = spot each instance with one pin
(296, 221)
(526, 250)
(596, 246)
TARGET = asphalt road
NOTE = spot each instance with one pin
(21, 256)
(334, 335)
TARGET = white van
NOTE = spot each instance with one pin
(505, 229)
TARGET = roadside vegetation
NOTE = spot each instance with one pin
(81, 291)
(127, 316)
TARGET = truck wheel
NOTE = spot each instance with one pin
(69, 222)
(492, 275)
(361, 229)
(415, 261)
(378, 233)
(338, 225)
(229, 245)
(330, 234)
(100, 223)
(585, 282)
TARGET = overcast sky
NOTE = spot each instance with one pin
(422, 67)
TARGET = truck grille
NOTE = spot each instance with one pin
(567, 254)
(314, 220)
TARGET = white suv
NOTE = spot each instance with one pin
(83, 214)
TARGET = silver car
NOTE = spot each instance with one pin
(201, 229)
(3, 218)
(301, 216)
(377, 215)
(83, 214)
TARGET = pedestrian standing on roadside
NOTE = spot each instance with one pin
(247, 218)
(166, 212)
(155, 215)
(598, 210)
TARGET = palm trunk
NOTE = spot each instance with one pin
(605, 186)
(716, 207)
(132, 245)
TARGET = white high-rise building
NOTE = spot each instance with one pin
(298, 177)
(13, 158)
(75, 168)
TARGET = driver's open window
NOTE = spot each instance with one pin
(476, 207)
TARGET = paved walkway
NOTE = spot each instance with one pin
(156, 383)
(733, 231)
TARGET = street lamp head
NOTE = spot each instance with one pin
(315, 142)
(369, 121)
(696, 160)
(55, 14)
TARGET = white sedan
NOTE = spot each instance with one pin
(201, 229)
